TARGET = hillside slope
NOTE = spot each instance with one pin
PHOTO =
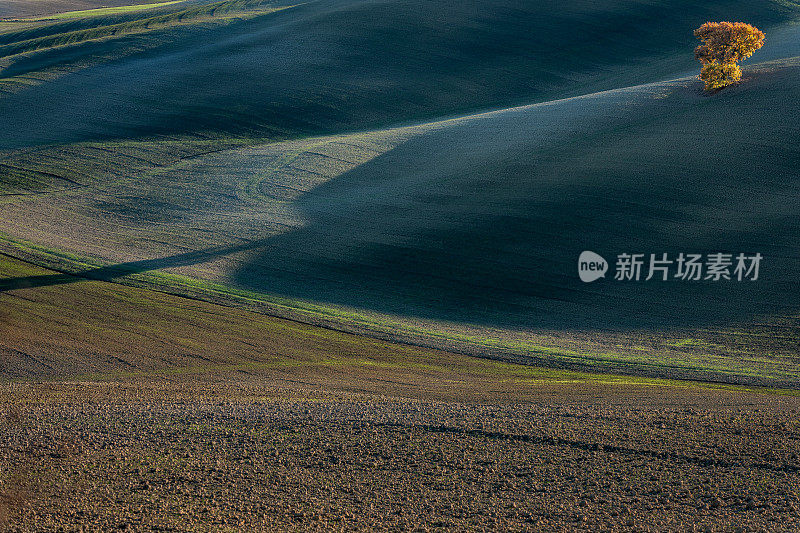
(465, 233)
(332, 65)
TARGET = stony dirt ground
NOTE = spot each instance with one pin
(125, 409)
(253, 453)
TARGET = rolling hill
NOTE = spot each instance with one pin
(333, 65)
(296, 162)
(314, 266)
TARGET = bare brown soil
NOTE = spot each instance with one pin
(124, 409)
(259, 453)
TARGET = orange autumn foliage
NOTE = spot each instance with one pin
(724, 45)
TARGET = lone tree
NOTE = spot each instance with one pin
(724, 45)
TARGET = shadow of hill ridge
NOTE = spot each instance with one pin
(483, 222)
(112, 272)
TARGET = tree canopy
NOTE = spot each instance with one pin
(725, 44)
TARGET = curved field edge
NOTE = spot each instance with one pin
(18, 9)
(89, 341)
(35, 52)
(682, 356)
(98, 11)
(50, 37)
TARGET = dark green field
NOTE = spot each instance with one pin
(328, 66)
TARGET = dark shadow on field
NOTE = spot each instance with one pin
(466, 224)
(483, 222)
